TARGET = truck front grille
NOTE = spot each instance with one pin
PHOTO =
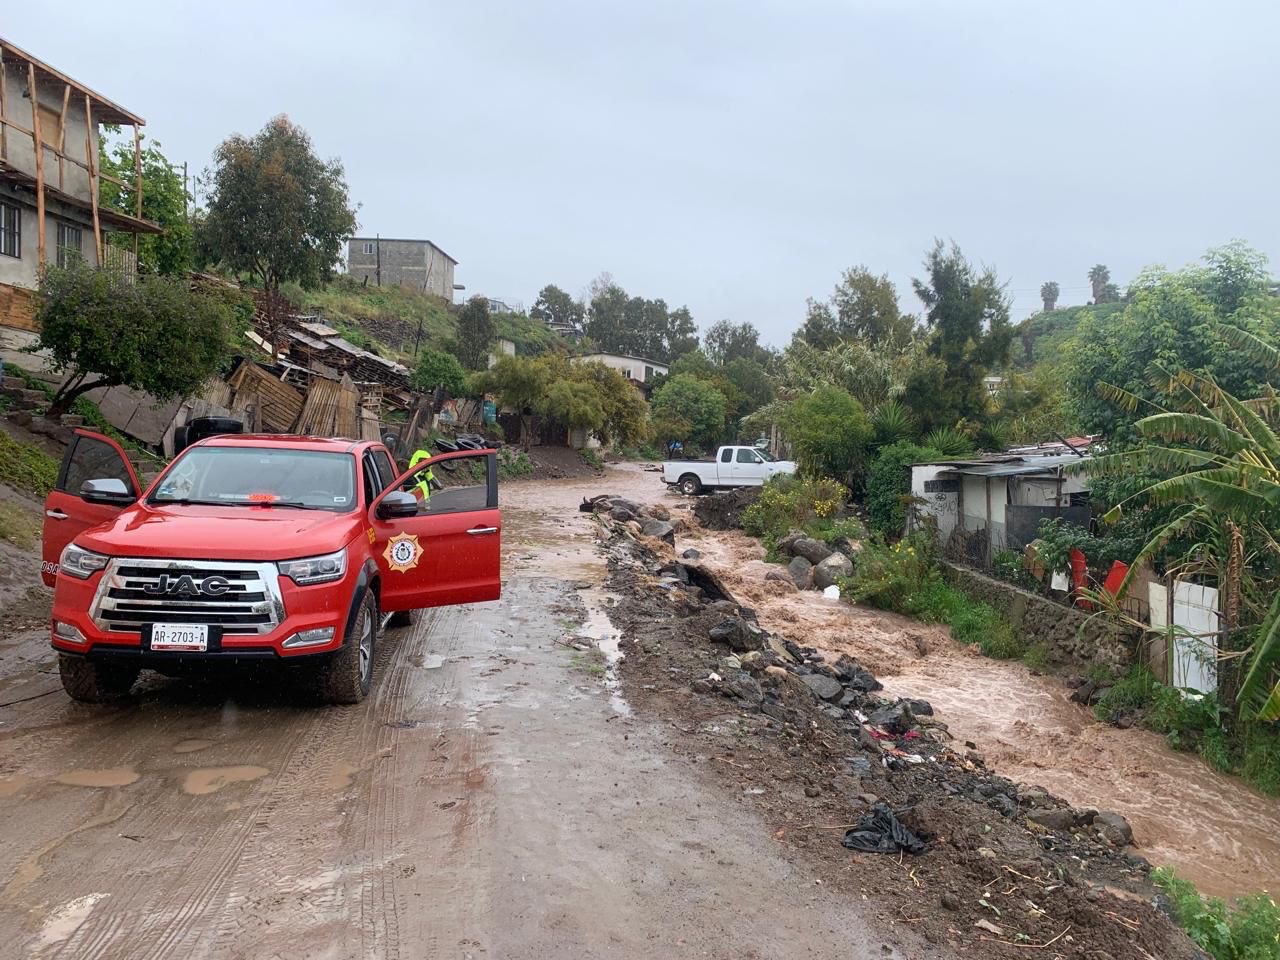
(134, 592)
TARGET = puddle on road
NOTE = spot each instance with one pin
(192, 746)
(12, 784)
(212, 779)
(111, 777)
(600, 630)
(66, 920)
(339, 778)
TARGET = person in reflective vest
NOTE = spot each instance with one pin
(425, 479)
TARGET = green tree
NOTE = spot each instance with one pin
(619, 323)
(829, 431)
(625, 421)
(520, 383)
(968, 321)
(864, 307)
(476, 332)
(164, 201)
(574, 403)
(725, 342)
(684, 398)
(555, 307)
(1049, 294)
(1174, 320)
(276, 211)
(439, 369)
(606, 316)
(156, 334)
(1104, 291)
(753, 383)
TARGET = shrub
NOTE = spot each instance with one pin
(1010, 566)
(1183, 719)
(513, 463)
(982, 624)
(1247, 930)
(788, 503)
(592, 458)
(1260, 764)
(1131, 693)
(829, 431)
(895, 577)
(889, 485)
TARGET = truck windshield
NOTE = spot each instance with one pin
(260, 476)
(766, 456)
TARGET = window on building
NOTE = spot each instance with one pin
(626, 372)
(648, 373)
(10, 230)
(69, 240)
(368, 248)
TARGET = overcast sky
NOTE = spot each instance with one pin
(732, 156)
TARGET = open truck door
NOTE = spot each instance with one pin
(95, 482)
(444, 548)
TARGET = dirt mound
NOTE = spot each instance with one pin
(825, 757)
(723, 511)
(554, 463)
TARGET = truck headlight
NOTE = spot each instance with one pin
(80, 563)
(308, 570)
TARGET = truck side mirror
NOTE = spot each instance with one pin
(109, 491)
(398, 504)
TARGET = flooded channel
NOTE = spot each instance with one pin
(1212, 829)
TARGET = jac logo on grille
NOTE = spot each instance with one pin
(186, 584)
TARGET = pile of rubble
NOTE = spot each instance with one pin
(993, 863)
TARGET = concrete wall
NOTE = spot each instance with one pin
(940, 500)
(413, 264)
(21, 152)
(1074, 639)
(23, 271)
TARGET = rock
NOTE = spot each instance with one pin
(823, 687)
(1003, 804)
(832, 569)
(702, 685)
(738, 634)
(676, 571)
(659, 530)
(859, 766)
(896, 718)
(657, 512)
(986, 853)
(782, 575)
(832, 711)
(921, 708)
(812, 792)
(746, 687)
(950, 901)
(1114, 828)
(771, 708)
(1032, 797)
(1083, 691)
(786, 545)
(633, 526)
(690, 554)
(815, 551)
(1060, 820)
(801, 571)
(853, 676)
(846, 546)
(725, 630)
(752, 661)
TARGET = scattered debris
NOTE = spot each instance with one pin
(880, 832)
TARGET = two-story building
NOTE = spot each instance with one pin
(633, 368)
(410, 264)
(50, 206)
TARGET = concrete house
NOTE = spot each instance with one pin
(49, 179)
(410, 264)
(633, 368)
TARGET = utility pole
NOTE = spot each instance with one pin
(185, 209)
(377, 248)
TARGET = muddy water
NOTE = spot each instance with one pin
(1212, 829)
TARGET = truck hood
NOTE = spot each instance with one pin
(783, 466)
(216, 533)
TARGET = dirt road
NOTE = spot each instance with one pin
(491, 799)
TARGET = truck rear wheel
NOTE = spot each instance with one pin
(690, 485)
(92, 682)
(346, 676)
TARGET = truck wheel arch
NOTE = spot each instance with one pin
(368, 580)
(690, 484)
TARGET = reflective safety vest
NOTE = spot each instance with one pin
(424, 485)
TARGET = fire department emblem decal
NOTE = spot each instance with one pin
(403, 552)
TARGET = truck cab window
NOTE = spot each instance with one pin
(726, 455)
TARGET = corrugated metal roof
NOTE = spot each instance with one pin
(1021, 467)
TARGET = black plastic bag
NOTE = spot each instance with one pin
(880, 832)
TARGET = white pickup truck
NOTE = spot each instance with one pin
(732, 467)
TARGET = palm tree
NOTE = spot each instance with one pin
(1099, 277)
(1219, 457)
(1049, 294)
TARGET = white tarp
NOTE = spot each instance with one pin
(1193, 663)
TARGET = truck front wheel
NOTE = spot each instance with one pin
(345, 677)
(92, 682)
(690, 485)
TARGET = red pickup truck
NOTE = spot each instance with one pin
(247, 549)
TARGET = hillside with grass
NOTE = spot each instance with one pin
(387, 320)
(1042, 336)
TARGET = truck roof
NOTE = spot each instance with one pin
(285, 441)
